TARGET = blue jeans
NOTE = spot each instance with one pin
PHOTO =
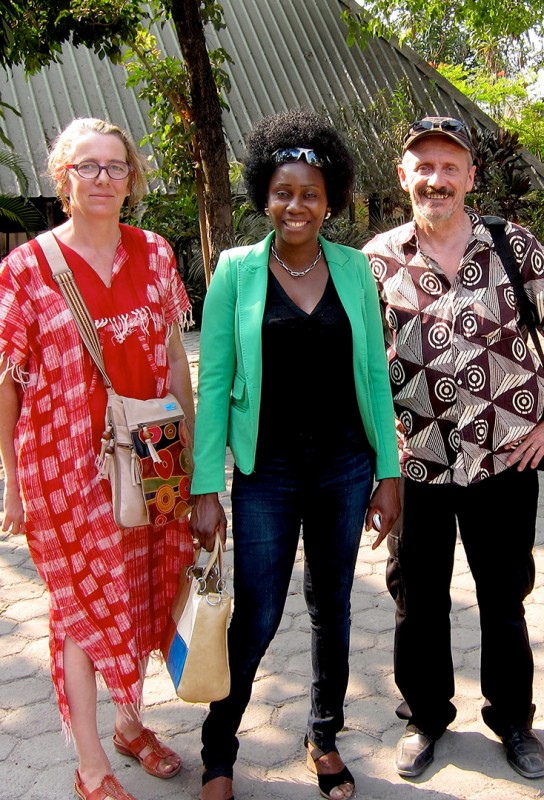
(328, 494)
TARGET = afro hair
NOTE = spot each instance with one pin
(298, 128)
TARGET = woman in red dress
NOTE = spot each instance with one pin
(110, 590)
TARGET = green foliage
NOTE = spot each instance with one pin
(175, 216)
(496, 33)
(343, 230)
(32, 32)
(502, 180)
(505, 99)
(529, 125)
(37, 30)
(15, 164)
(250, 226)
(532, 216)
(18, 211)
(375, 136)
(164, 84)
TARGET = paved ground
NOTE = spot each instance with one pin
(35, 763)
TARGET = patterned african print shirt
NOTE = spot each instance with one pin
(464, 381)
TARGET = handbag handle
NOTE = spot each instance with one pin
(216, 555)
(64, 278)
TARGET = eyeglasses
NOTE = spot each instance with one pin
(117, 170)
(448, 124)
(285, 154)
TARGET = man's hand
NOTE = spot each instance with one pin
(528, 451)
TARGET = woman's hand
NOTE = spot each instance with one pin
(207, 518)
(528, 451)
(385, 502)
(14, 515)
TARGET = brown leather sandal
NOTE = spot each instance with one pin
(150, 762)
(109, 789)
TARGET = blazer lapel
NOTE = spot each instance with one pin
(252, 284)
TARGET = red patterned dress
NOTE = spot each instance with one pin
(110, 589)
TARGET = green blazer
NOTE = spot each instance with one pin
(229, 388)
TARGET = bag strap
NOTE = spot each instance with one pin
(64, 278)
(527, 312)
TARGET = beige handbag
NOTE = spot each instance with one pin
(194, 644)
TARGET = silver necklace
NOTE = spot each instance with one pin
(293, 272)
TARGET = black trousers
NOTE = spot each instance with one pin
(497, 519)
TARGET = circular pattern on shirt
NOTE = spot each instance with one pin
(430, 283)
(510, 296)
(518, 245)
(454, 440)
(445, 390)
(472, 273)
(476, 378)
(519, 349)
(469, 323)
(379, 268)
(396, 372)
(537, 262)
(391, 319)
(523, 401)
(439, 335)
(407, 422)
(481, 428)
(416, 470)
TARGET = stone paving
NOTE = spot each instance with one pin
(36, 763)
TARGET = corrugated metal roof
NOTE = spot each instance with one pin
(286, 53)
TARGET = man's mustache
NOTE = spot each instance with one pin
(444, 191)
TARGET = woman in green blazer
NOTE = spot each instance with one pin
(293, 377)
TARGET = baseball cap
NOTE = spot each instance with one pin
(454, 129)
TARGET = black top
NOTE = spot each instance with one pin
(308, 389)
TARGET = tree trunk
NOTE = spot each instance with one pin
(206, 117)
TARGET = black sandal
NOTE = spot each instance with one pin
(329, 782)
(217, 772)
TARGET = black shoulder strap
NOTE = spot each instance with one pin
(527, 312)
(497, 226)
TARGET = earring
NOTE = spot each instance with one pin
(327, 215)
(266, 211)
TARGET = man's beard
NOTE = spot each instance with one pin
(432, 213)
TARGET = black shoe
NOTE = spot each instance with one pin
(524, 752)
(415, 751)
(330, 781)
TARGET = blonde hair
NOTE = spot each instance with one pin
(64, 145)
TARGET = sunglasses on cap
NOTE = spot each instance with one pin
(286, 154)
(447, 124)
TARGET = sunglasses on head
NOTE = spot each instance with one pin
(286, 154)
(448, 124)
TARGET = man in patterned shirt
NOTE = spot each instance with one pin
(469, 395)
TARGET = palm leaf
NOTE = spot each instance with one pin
(20, 212)
(15, 163)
